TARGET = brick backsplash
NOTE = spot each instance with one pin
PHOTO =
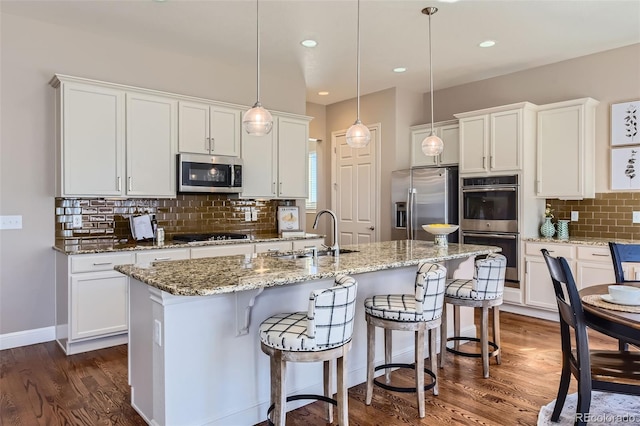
(608, 215)
(106, 221)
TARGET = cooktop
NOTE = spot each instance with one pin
(211, 236)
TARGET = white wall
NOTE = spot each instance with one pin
(31, 52)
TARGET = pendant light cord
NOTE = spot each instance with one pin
(431, 71)
(358, 66)
(258, 52)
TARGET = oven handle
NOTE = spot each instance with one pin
(501, 236)
(503, 188)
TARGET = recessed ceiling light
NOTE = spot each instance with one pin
(487, 43)
(399, 69)
(323, 93)
(309, 43)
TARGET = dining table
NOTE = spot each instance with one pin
(624, 326)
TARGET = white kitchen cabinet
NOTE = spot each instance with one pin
(209, 129)
(276, 165)
(90, 135)
(91, 301)
(492, 140)
(221, 250)
(594, 267)
(151, 141)
(448, 131)
(565, 156)
(162, 255)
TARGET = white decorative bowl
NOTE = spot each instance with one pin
(624, 293)
(440, 233)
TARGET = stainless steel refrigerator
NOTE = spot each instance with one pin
(421, 196)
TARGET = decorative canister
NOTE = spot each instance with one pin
(547, 229)
(563, 229)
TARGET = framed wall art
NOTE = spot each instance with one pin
(288, 218)
(625, 168)
(624, 123)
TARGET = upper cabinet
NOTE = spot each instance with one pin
(276, 165)
(209, 128)
(566, 149)
(445, 130)
(492, 140)
(98, 155)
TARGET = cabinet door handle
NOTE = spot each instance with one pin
(492, 163)
(484, 165)
(207, 144)
(161, 259)
(129, 183)
(599, 255)
(102, 263)
(212, 145)
(273, 187)
(119, 184)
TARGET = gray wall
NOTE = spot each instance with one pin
(32, 52)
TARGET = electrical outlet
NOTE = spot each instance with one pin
(254, 215)
(636, 217)
(247, 216)
(10, 222)
(574, 216)
(77, 221)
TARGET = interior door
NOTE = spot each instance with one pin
(355, 190)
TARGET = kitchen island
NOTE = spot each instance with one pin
(194, 352)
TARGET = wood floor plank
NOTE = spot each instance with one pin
(39, 385)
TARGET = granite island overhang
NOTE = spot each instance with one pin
(194, 352)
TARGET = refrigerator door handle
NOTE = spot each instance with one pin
(409, 211)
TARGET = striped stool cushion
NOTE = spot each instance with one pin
(461, 289)
(487, 282)
(287, 332)
(396, 307)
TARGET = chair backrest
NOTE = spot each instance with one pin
(488, 277)
(571, 313)
(623, 253)
(429, 289)
(331, 312)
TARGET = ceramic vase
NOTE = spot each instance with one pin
(547, 229)
(563, 229)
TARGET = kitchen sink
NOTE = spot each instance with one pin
(290, 256)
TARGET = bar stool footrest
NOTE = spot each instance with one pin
(471, 354)
(403, 389)
(298, 397)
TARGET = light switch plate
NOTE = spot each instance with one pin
(247, 216)
(77, 221)
(574, 216)
(254, 215)
(10, 222)
(636, 217)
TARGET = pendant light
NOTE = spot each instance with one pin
(358, 135)
(431, 145)
(257, 121)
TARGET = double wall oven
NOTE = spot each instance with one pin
(489, 216)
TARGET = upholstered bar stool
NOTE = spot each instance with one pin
(323, 333)
(417, 312)
(484, 291)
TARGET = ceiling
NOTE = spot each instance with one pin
(528, 33)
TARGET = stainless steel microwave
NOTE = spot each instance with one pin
(209, 173)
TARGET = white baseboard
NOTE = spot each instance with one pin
(530, 312)
(27, 337)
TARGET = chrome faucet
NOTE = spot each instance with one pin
(334, 247)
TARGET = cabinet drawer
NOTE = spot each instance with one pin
(221, 250)
(274, 246)
(594, 254)
(99, 262)
(563, 250)
(161, 256)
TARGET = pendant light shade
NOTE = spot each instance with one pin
(257, 121)
(358, 135)
(432, 145)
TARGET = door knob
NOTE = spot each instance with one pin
(371, 228)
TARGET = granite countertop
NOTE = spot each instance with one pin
(149, 245)
(587, 241)
(219, 275)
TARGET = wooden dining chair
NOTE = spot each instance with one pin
(624, 253)
(608, 371)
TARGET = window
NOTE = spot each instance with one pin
(312, 201)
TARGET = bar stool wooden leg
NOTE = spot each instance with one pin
(433, 357)
(371, 349)
(419, 352)
(387, 354)
(278, 386)
(342, 396)
(443, 335)
(496, 333)
(456, 326)
(328, 387)
(484, 340)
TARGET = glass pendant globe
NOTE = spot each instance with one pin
(358, 135)
(257, 121)
(432, 145)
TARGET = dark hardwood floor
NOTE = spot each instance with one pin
(39, 385)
